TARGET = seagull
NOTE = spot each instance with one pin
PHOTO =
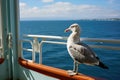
(80, 52)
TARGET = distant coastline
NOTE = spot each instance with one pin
(105, 19)
(102, 19)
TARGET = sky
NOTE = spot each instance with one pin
(68, 9)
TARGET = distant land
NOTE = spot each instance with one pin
(99, 19)
(103, 19)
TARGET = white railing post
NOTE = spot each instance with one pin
(40, 54)
(20, 48)
(34, 47)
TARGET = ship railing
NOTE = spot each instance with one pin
(36, 45)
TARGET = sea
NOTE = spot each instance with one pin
(57, 56)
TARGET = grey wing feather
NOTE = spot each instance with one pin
(83, 54)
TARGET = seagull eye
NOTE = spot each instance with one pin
(72, 26)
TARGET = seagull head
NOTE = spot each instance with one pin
(74, 28)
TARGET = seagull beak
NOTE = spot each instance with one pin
(67, 30)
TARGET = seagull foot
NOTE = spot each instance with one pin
(71, 73)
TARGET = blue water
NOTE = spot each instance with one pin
(57, 55)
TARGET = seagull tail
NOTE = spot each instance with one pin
(102, 65)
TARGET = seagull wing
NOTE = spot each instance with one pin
(83, 54)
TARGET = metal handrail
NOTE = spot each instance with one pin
(101, 40)
(46, 37)
(37, 46)
(82, 39)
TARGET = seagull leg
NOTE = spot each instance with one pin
(75, 68)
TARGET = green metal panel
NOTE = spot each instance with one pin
(26, 74)
(9, 12)
(14, 18)
(4, 67)
(3, 71)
